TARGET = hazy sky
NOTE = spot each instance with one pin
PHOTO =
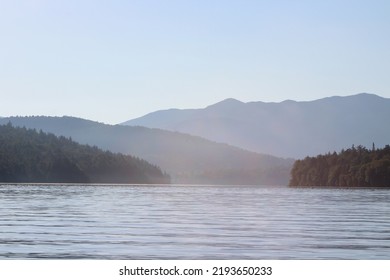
(114, 60)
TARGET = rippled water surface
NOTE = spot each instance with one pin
(193, 222)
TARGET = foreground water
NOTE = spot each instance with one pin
(193, 222)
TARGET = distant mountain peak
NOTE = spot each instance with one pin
(368, 95)
(288, 101)
(231, 100)
(359, 95)
(228, 102)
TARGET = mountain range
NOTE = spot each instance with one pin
(187, 159)
(286, 129)
(232, 142)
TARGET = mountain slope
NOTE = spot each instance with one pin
(186, 158)
(286, 129)
(29, 156)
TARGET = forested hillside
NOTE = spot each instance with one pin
(30, 156)
(354, 167)
(187, 159)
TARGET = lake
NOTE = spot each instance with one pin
(193, 222)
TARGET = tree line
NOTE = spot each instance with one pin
(354, 167)
(27, 155)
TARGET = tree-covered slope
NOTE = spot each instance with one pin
(30, 156)
(187, 159)
(354, 167)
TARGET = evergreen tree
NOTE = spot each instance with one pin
(354, 167)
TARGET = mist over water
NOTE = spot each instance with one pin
(193, 222)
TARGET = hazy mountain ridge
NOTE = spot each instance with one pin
(188, 159)
(287, 129)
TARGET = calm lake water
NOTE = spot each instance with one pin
(193, 222)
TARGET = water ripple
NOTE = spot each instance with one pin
(177, 222)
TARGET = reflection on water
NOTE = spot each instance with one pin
(193, 222)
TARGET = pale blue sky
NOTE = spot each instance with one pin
(111, 61)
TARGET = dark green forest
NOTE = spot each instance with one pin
(36, 157)
(354, 167)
